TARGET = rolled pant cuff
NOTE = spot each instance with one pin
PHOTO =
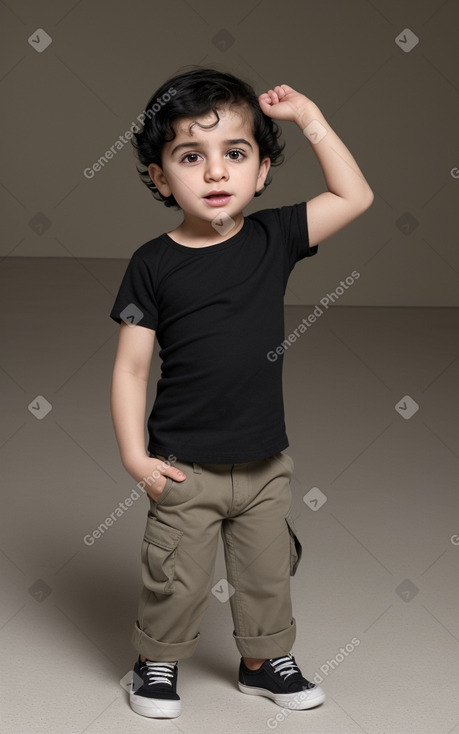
(267, 646)
(162, 651)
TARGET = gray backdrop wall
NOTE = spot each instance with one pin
(75, 75)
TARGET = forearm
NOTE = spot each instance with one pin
(343, 176)
(128, 404)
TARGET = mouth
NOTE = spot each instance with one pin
(218, 198)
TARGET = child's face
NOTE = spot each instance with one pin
(223, 158)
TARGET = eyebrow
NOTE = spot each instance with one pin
(195, 144)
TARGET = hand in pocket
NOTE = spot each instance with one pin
(153, 473)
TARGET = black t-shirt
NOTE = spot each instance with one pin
(217, 312)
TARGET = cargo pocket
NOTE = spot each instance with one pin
(159, 551)
(295, 546)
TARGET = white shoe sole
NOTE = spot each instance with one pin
(295, 701)
(155, 708)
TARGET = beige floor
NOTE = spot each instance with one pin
(380, 570)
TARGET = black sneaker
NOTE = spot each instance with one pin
(153, 691)
(281, 680)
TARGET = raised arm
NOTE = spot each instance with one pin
(349, 194)
(128, 404)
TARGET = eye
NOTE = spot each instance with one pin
(235, 155)
(190, 158)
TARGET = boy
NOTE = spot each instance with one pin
(212, 291)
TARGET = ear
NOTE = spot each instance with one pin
(158, 177)
(265, 165)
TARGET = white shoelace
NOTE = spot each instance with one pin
(285, 666)
(160, 673)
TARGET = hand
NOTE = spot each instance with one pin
(283, 103)
(153, 472)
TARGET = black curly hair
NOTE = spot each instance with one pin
(195, 93)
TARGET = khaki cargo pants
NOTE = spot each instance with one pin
(250, 504)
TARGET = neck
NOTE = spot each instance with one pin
(194, 232)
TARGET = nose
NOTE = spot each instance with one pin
(216, 169)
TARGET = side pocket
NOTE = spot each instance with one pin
(286, 461)
(296, 549)
(290, 461)
(159, 551)
(167, 488)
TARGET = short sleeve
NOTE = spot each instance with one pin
(295, 225)
(135, 302)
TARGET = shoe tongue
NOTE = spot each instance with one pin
(156, 662)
